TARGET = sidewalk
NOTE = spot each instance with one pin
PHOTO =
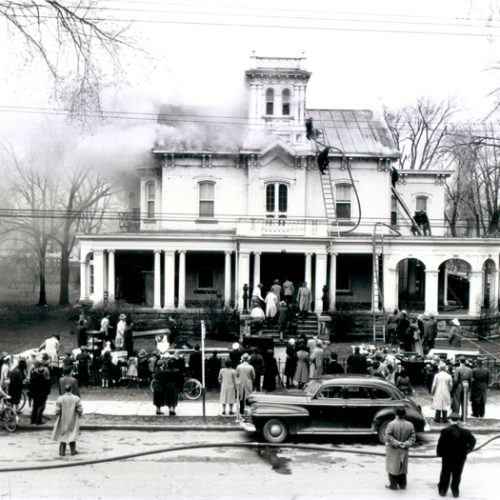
(141, 415)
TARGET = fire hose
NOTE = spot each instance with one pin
(199, 446)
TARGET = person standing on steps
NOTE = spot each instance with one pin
(400, 435)
(454, 444)
(304, 300)
(288, 290)
(67, 426)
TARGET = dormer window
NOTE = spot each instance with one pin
(285, 102)
(269, 102)
(150, 200)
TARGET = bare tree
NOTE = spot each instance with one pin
(32, 218)
(420, 131)
(77, 43)
(82, 204)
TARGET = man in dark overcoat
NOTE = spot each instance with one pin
(480, 380)
(453, 446)
(39, 389)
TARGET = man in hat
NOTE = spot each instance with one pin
(403, 324)
(400, 435)
(453, 446)
(455, 338)
(288, 290)
(461, 379)
(66, 428)
(120, 330)
(245, 379)
(480, 380)
(304, 300)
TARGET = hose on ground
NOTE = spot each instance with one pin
(255, 445)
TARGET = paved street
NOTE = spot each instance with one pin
(224, 472)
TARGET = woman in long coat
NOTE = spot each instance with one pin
(227, 381)
(67, 426)
(441, 394)
(270, 372)
(290, 363)
(302, 370)
(304, 300)
(271, 305)
(172, 383)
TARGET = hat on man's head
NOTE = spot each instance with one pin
(122, 316)
(236, 345)
(277, 282)
(245, 357)
(455, 416)
(455, 322)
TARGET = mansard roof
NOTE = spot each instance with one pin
(356, 132)
(182, 129)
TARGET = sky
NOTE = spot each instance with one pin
(362, 54)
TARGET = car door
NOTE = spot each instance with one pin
(327, 409)
(360, 407)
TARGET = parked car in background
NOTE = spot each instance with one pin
(334, 405)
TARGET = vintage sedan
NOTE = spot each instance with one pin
(338, 404)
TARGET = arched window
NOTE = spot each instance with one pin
(343, 201)
(276, 200)
(269, 102)
(206, 196)
(150, 200)
(285, 102)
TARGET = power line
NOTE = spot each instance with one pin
(163, 118)
(278, 26)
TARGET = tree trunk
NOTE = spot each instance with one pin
(64, 278)
(42, 294)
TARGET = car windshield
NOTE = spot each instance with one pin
(312, 388)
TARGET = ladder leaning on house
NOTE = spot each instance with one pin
(329, 199)
(407, 211)
(377, 286)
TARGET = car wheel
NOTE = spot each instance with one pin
(381, 431)
(274, 431)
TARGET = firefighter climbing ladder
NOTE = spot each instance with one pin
(329, 200)
(407, 211)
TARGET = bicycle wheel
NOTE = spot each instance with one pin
(192, 388)
(10, 420)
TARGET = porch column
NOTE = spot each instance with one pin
(182, 280)
(320, 281)
(431, 291)
(111, 276)
(256, 270)
(98, 276)
(157, 281)
(169, 280)
(308, 270)
(494, 291)
(475, 292)
(391, 288)
(243, 277)
(332, 281)
(445, 288)
(227, 279)
(84, 288)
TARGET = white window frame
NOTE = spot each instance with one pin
(150, 199)
(207, 200)
(343, 202)
(276, 213)
(270, 92)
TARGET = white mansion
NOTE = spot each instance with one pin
(234, 201)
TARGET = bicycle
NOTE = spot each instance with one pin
(8, 415)
(191, 388)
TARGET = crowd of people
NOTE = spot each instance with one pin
(282, 305)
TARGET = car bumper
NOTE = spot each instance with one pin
(248, 426)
